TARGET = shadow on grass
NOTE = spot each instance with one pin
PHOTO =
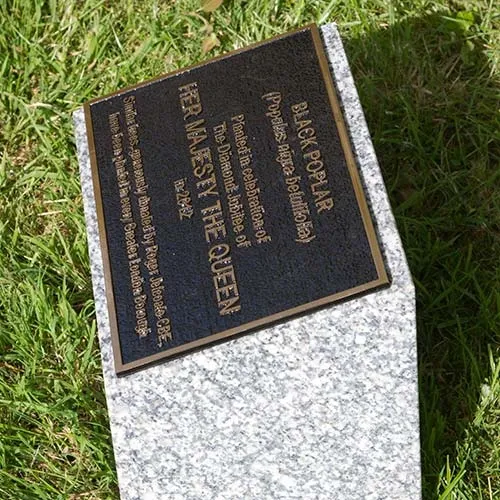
(431, 107)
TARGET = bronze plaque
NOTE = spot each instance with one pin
(228, 198)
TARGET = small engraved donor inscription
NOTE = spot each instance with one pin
(228, 198)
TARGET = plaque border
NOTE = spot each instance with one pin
(383, 278)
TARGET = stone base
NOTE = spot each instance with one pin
(321, 407)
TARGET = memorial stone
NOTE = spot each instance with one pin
(255, 310)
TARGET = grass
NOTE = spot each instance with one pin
(427, 73)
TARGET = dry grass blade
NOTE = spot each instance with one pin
(209, 43)
(210, 5)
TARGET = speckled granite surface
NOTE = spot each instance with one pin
(320, 407)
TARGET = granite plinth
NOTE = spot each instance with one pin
(321, 407)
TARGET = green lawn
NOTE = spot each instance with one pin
(428, 77)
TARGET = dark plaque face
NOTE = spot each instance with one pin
(228, 198)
